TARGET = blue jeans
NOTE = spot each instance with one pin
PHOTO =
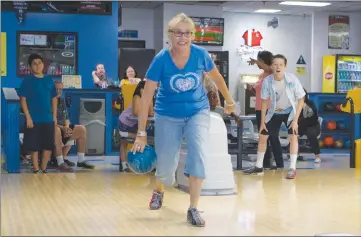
(169, 133)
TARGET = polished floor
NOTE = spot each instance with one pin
(103, 203)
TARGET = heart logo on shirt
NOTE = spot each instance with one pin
(182, 83)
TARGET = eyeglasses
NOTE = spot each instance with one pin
(177, 33)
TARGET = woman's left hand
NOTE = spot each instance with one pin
(228, 109)
(294, 127)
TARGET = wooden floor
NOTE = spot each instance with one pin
(101, 203)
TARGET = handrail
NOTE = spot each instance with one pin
(352, 131)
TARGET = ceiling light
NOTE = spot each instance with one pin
(267, 11)
(306, 4)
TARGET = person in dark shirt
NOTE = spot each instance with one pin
(65, 132)
(309, 125)
(38, 100)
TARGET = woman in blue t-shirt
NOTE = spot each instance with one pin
(181, 111)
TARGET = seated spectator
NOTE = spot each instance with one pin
(309, 125)
(128, 126)
(100, 77)
(213, 97)
(66, 132)
(130, 77)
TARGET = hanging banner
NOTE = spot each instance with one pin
(338, 32)
(3, 54)
(20, 8)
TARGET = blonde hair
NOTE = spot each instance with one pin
(180, 18)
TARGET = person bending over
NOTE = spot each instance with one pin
(264, 61)
(309, 125)
(38, 100)
(286, 96)
(181, 111)
(128, 124)
(65, 132)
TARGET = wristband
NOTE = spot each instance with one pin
(142, 134)
(228, 105)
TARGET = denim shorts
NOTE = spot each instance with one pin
(124, 130)
(169, 133)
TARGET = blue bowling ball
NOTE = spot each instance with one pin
(142, 162)
(347, 143)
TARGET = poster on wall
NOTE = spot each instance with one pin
(20, 8)
(251, 45)
(3, 54)
(338, 32)
(71, 81)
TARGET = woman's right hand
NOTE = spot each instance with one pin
(139, 144)
(29, 123)
(262, 127)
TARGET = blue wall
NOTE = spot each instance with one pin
(97, 40)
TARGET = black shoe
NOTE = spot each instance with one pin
(194, 218)
(86, 165)
(44, 171)
(253, 171)
(273, 167)
(69, 163)
(37, 171)
(124, 169)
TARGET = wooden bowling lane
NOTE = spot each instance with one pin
(104, 204)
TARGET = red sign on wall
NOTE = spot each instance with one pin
(252, 38)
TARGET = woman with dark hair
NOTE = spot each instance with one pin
(309, 125)
(264, 61)
(128, 126)
(130, 77)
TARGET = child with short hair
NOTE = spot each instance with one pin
(286, 96)
(39, 102)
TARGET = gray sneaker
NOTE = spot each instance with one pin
(291, 174)
(194, 218)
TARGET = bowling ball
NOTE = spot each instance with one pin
(329, 107)
(322, 144)
(328, 141)
(341, 125)
(331, 125)
(142, 162)
(338, 108)
(338, 143)
(347, 143)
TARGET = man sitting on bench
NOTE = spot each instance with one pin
(66, 132)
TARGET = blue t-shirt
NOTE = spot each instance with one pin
(38, 93)
(181, 93)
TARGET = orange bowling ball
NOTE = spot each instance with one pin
(331, 125)
(328, 141)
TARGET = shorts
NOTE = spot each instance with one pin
(124, 130)
(66, 139)
(39, 138)
(169, 133)
(274, 125)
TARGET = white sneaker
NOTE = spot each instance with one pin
(317, 160)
